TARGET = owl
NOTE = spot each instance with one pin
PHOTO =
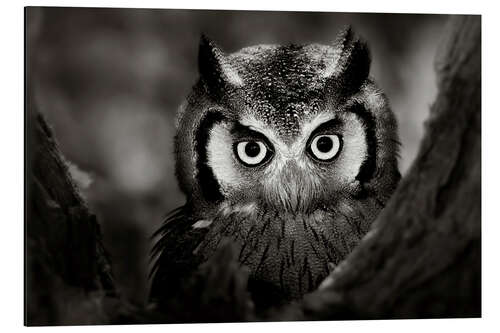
(290, 151)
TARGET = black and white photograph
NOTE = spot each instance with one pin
(220, 166)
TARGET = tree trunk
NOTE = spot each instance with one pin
(67, 268)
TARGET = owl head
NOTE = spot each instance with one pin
(292, 150)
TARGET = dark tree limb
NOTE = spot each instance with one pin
(67, 268)
(422, 257)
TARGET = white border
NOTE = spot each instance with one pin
(11, 263)
(380, 6)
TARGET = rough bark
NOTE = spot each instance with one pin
(422, 257)
(65, 259)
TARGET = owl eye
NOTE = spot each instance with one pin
(325, 147)
(252, 153)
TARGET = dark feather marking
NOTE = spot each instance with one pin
(244, 260)
(264, 226)
(250, 231)
(282, 228)
(309, 280)
(368, 166)
(292, 251)
(316, 252)
(282, 270)
(304, 265)
(243, 247)
(357, 222)
(256, 241)
(250, 252)
(326, 244)
(300, 281)
(315, 234)
(352, 224)
(322, 244)
(331, 125)
(263, 257)
(325, 241)
(344, 243)
(206, 178)
(239, 130)
(357, 227)
(302, 272)
(226, 226)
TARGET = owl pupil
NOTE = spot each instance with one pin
(324, 144)
(252, 149)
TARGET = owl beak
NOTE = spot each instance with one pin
(291, 189)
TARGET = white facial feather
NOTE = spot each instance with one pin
(220, 151)
(354, 150)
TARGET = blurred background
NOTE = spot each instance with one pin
(109, 82)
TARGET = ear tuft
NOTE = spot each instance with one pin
(215, 69)
(353, 63)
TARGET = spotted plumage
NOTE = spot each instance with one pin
(290, 151)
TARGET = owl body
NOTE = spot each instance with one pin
(291, 152)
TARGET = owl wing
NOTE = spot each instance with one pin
(174, 261)
(189, 288)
